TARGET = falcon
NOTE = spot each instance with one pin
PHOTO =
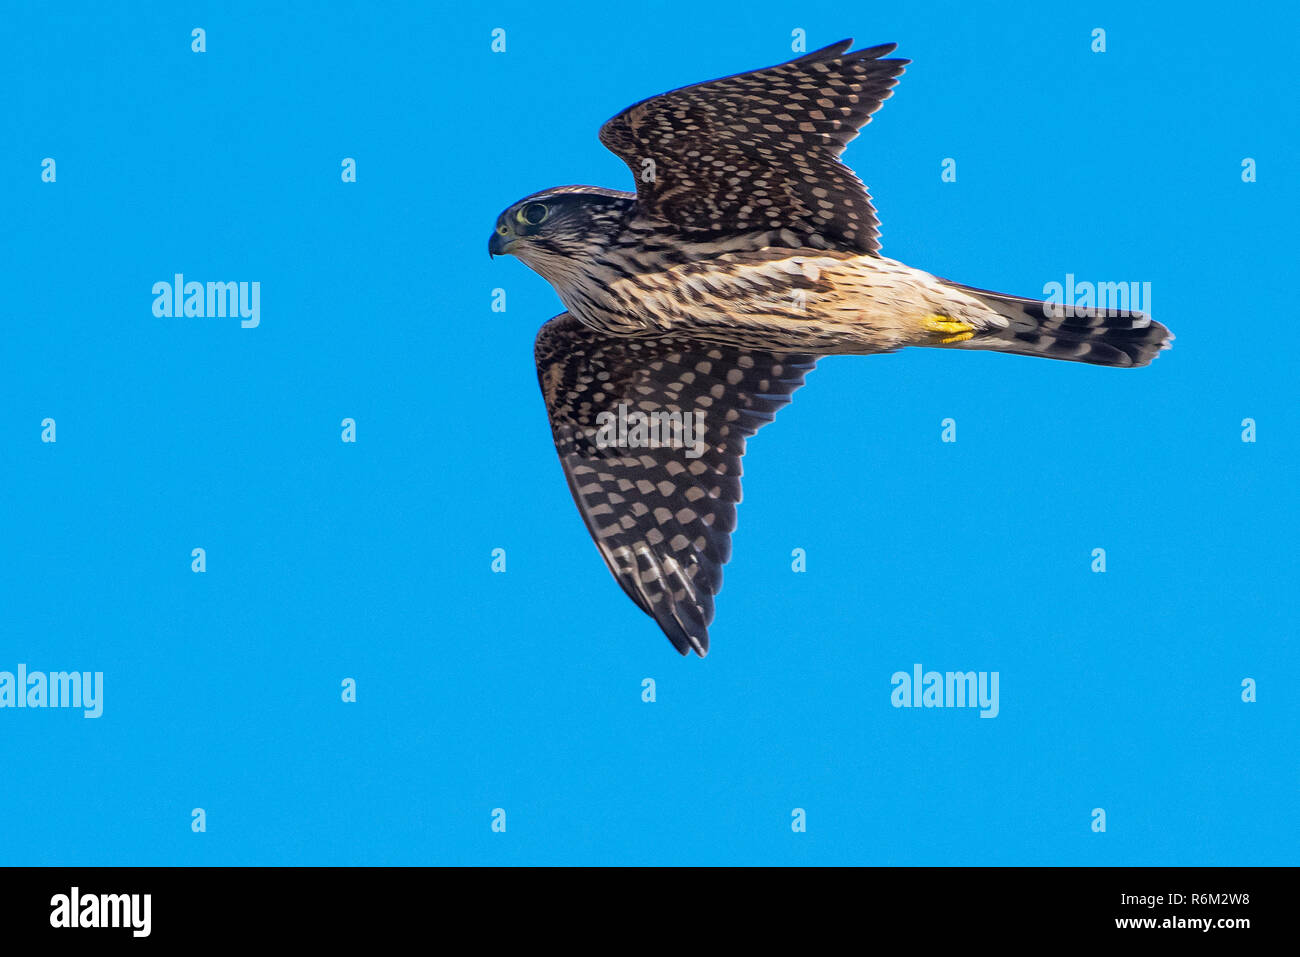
(696, 306)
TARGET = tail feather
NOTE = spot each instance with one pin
(1108, 337)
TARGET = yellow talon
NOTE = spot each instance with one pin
(953, 330)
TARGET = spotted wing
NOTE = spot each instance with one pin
(662, 517)
(761, 150)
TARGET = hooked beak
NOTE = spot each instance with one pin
(499, 245)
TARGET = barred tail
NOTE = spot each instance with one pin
(1105, 337)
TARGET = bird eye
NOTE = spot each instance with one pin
(533, 214)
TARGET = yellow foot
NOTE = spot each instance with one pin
(951, 330)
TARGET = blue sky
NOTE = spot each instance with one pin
(522, 690)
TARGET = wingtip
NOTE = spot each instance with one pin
(871, 53)
(876, 52)
(844, 48)
(838, 48)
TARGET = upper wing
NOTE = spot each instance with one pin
(761, 150)
(662, 516)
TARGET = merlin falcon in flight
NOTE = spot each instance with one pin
(747, 252)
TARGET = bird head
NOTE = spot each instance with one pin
(556, 231)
